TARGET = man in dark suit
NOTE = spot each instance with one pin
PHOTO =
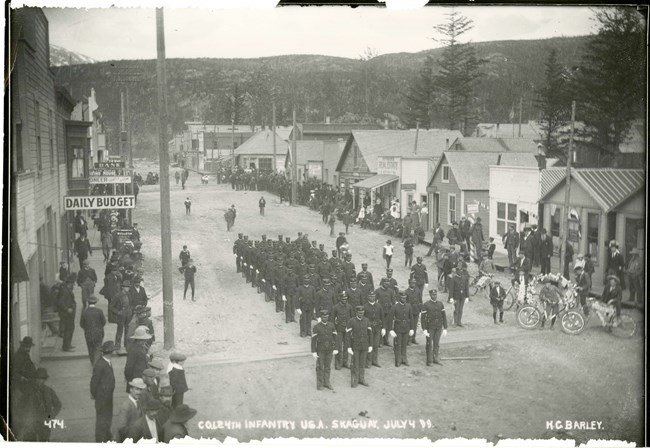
(616, 264)
(67, 307)
(102, 385)
(583, 285)
(148, 426)
(434, 325)
(527, 244)
(82, 249)
(86, 279)
(93, 322)
(136, 359)
(536, 239)
(137, 293)
(359, 334)
(129, 411)
(511, 243)
(545, 251)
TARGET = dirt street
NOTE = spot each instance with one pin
(522, 385)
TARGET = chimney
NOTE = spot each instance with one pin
(417, 132)
(446, 144)
(385, 123)
(327, 120)
(497, 132)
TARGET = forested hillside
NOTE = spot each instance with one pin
(215, 90)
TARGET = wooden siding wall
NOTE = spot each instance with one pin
(444, 189)
(483, 196)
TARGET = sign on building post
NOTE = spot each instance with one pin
(109, 180)
(111, 164)
(99, 202)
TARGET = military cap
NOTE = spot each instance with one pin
(371, 294)
(389, 270)
(108, 347)
(279, 237)
(326, 280)
(419, 259)
(353, 280)
(433, 293)
(240, 235)
(402, 294)
(343, 294)
(324, 312)
(126, 283)
(92, 299)
(305, 277)
(321, 246)
(411, 280)
(155, 364)
(359, 308)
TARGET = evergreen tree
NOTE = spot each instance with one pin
(610, 84)
(421, 96)
(553, 101)
(459, 72)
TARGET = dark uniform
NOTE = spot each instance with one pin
(323, 341)
(374, 312)
(434, 320)
(420, 275)
(358, 333)
(306, 299)
(325, 298)
(365, 287)
(354, 295)
(364, 270)
(458, 290)
(386, 298)
(349, 269)
(235, 250)
(414, 298)
(400, 320)
(93, 322)
(289, 289)
(342, 313)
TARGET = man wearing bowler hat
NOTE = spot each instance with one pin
(93, 322)
(102, 386)
(22, 367)
(130, 410)
(67, 307)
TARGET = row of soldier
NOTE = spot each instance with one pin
(332, 289)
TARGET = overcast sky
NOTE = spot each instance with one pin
(129, 33)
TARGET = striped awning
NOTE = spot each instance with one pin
(609, 187)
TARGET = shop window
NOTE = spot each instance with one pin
(265, 164)
(506, 215)
(593, 224)
(77, 169)
(451, 216)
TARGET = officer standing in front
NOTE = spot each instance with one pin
(400, 321)
(322, 347)
(434, 325)
(342, 313)
(358, 334)
(374, 312)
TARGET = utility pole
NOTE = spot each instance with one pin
(294, 163)
(275, 165)
(122, 125)
(165, 212)
(521, 104)
(417, 132)
(232, 148)
(567, 192)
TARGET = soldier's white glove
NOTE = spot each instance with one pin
(393, 334)
(369, 349)
(318, 319)
(383, 332)
(411, 332)
(466, 299)
(335, 352)
(426, 286)
(444, 332)
(426, 333)
(284, 298)
(245, 265)
(257, 271)
(274, 287)
(298, 311)
(350, 351)
(315, 355)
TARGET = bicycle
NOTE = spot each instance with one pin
(515, 296)
(482, 282)
(536, 311)
(574, 322)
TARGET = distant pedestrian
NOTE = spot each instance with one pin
(347, 220)
(388, 253)
(492, 247)
(189, 270)
(67, 307)
(408, 251)
(129, 412)
(82, 249)
(106, 245)
(177, 380)
(102, 386)
(331, 222)
(339, 242)
(86, 279)
(262, 204)
(188, 205)
(80, 224)
(184, 256)
(177, 175)
(64, 270)
(93, 322)
(183, 179)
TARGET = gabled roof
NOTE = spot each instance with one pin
(262, 143)
(471, 168)
(550, 178)
(335, 128)
(431, 143)
(529, 130)
(307, 150)
(607, 186)
(484, 144)
(284, 132)
(518, 159)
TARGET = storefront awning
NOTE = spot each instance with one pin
(376, 181)
(17, 267)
